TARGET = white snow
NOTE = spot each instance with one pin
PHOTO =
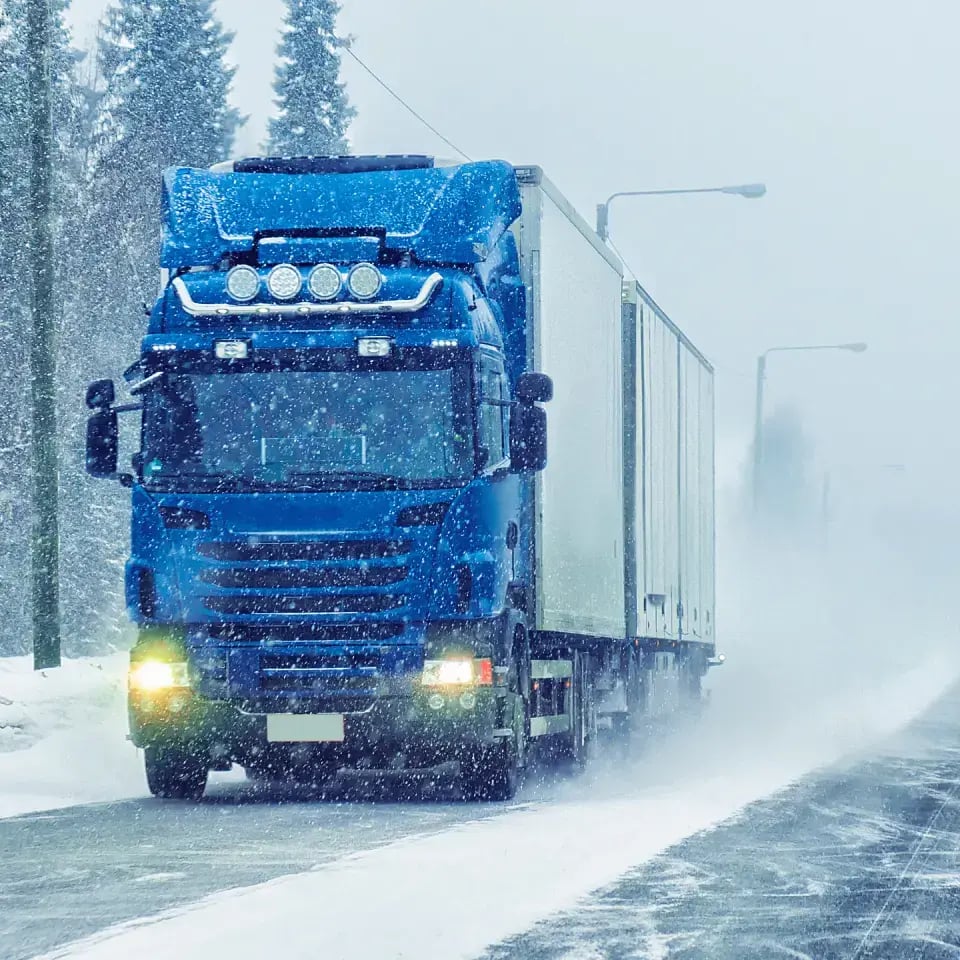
(454, 893)
(63, 735)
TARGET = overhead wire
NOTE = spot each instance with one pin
(396, 96)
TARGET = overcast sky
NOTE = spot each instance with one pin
(845, 108)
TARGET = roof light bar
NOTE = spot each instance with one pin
(430, 287)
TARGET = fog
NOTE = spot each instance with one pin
(844, 110)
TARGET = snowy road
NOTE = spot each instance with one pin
(861, 862)
(68, 873)
(144, 878)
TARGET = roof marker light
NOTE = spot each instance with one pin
(443, 344)
(243, 283)
(364, 281)
(284, 281)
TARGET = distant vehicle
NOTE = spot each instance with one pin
(352, 553)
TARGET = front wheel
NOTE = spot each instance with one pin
(494, 772)
(175, 774)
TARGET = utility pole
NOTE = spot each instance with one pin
(45, 545)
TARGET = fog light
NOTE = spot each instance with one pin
(468, 701)
(435, 702)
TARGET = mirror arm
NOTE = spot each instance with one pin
(126, 407)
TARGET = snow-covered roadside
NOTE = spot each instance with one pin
(63, 735)
(454, 893)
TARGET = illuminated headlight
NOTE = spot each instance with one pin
(243, 283)
(457, 672)
(325, 281)
(284, 281)
(149, 676)
(374, 347)
(364, 281)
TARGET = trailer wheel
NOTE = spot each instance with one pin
(175, 774)
(576, 746)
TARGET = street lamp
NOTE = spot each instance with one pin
(752, 191)
(758, 415)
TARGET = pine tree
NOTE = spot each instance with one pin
(314, 111)
(164, 104)
(159, 100)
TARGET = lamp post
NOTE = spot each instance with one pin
(752, 191)
(758, 413)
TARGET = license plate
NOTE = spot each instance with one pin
(305, 727)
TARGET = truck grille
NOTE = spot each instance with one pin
(280, 552)
(341, 603)
(303, 632)
(278, 578)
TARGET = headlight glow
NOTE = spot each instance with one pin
(150, 676)
(457, 672)
(325, 281)
(364, 281)
(284, 281)
(243, 283)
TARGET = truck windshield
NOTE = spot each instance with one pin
(308, 429)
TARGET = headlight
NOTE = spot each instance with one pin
(243, 283)
(284, 281)
(457, 672)
(364, 281)
(325, 281)
(149, 676)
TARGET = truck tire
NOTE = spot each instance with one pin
(494, 773)
(175, 774)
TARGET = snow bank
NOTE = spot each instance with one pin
(454, 893)
(63, 735)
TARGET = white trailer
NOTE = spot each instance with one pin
(624, 531)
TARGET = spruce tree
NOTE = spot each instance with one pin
(160, 100)
(314, 111)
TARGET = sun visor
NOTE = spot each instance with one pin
(440, 215)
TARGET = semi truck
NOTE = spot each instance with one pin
(424, 485)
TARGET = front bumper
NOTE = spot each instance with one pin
(425, 726)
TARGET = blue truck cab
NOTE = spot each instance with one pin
(331, 549)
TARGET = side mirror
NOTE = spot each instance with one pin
(528, 439)
(100, 394)
(534, 388)
(103, 442)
